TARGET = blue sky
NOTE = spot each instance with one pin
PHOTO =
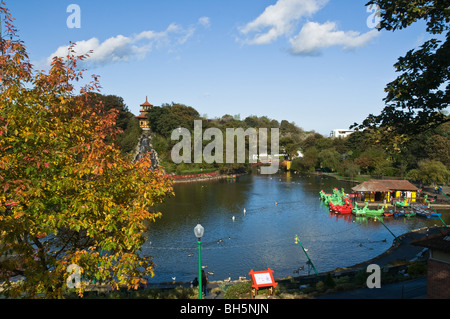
(317, 63)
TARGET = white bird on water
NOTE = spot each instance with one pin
(233, 218)
(244, 211)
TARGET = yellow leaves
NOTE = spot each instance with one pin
(18, 214)
(77, 180)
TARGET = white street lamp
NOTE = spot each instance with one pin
(198, 231)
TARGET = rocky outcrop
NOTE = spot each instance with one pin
(143, 146)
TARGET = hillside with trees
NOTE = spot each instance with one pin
(168, 117)
(422, 158)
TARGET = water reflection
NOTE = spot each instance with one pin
(277, 208)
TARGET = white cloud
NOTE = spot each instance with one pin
(122, 48)
(279, 19)
(315, 36)
(282, 18)
(204, 21)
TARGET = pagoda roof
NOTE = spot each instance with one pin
(146, 103)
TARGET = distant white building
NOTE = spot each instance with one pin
(340, 133)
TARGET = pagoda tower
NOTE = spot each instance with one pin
(142, 118)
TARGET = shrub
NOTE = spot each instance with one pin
(237, 291)
(417, 269)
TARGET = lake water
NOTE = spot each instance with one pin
(264, 237)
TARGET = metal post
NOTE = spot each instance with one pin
(200, 293)
(390, 231)
(429, 205)
(297, 241)
(439, 216)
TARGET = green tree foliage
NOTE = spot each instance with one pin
(166, 118)
(416, 98)
(430, 172)
(350, 169)
(67, 194)
(329, 159)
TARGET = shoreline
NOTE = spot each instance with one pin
(203, 177)
(397, 254)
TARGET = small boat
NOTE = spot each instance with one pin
(424, 211)
(435, 214)
(388, 213)
(410, 213)
(341, 208)
(360, 211)
(402, 203)
(323, 195)
(400, 213)
(375, 212)
(337, 198)
(365, 211)
(423, 214)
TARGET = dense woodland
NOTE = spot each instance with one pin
(420, 157)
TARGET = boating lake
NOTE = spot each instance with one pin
(264, 236)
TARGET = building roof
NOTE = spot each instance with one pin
(384, 185)
(439, 241)
(146, 103)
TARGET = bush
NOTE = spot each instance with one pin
(417, 269)
(237, 291)
(329, 281)
(320, 286)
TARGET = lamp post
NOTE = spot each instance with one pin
(198, 231)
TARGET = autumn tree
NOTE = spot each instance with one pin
(128, 125)
(67, 195)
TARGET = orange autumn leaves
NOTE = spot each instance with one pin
(67, 194)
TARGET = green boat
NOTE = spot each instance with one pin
(410, 214)
(324, 196)
(375, 212)
(335, 200)
(402, 203)
(335, 197)
(365, 211)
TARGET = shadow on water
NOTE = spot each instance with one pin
(277, 208)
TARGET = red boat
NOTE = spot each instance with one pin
(342, 209)
(388, 214)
